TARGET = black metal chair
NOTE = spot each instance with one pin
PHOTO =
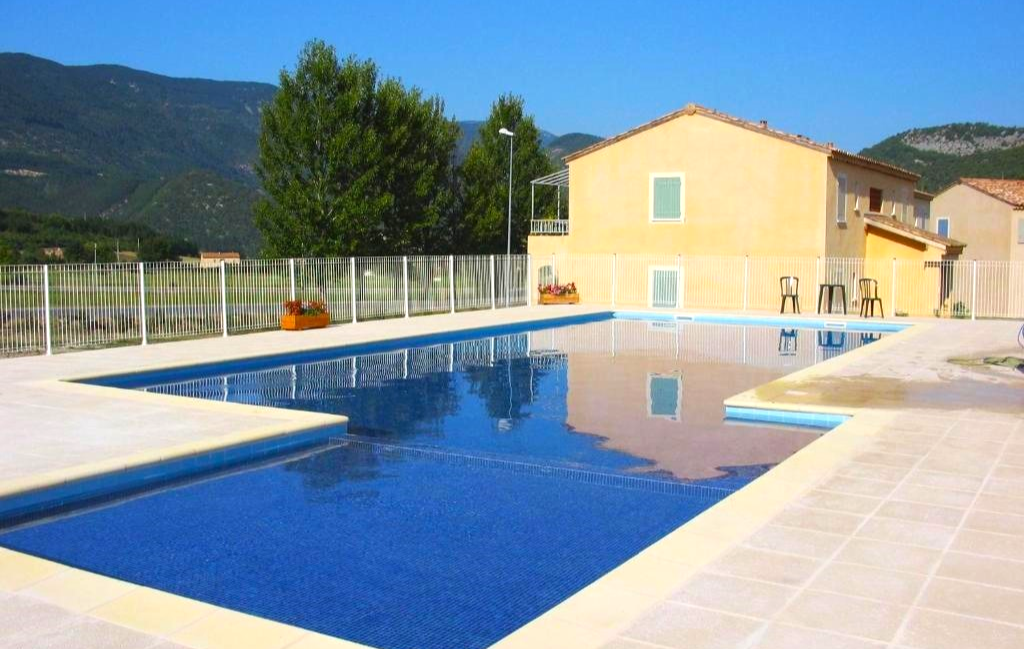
(869, 297)
(790, 287)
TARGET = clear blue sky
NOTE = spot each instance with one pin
(850, 73)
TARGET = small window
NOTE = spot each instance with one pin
(1020, 230)
(841, 198)
(667, 197)
(942, 227)
(875, 200)
(664, 288)
(903, 205)
(856, 196)
(664, 396)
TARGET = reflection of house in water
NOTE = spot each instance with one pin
(623, 379)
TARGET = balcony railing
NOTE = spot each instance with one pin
(549, 226)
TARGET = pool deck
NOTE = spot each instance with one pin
(904, 527)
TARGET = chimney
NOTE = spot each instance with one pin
(763, 123)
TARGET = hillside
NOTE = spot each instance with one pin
(24, 235)
(173, 154)
(563, 145)
(941, 154)
(103, 139)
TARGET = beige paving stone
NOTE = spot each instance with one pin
(845, 503)
(19, 570)
(1001, 504)
(790, 540)
(734, 595)
(994, 522)
(152, 611)
(989, 430)
(938, 630)
(872, 471)
(933, 495)
(846, 615)
(969, 484)
(80, 633)
(888, 459)
(997, 487)
(984, 570)
(976, 600)
(857, 486)
(1006, 472)
(818, 520)
(23, 617)
(957, 462)
(862, 581)
(603, 607)
(784, 636)
(79, 591)
(226, 629)
(679, 626)
(989, 544)
(766, 566)
(894, 530)
(549, 633)
(890, 556)
(921, 513)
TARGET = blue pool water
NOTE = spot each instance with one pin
(481, 481)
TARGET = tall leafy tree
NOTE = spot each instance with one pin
(485, 179)
(353, 163)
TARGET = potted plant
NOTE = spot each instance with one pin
(299, 315)
(559, 293)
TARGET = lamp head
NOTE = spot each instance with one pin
(504, 131)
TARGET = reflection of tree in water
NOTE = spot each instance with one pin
(505, 388)
(393, 411)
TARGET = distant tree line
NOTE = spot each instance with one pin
(24, 238)
(355, 163)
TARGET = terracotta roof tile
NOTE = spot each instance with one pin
(759, 127)
(1008, 191)
(931, 238)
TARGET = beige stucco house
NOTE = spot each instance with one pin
(986, 213)
(700, 182)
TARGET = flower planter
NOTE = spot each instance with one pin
(570, 298)
(300, 322)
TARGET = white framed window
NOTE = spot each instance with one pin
(942, 226)
(665, 284)
(841, 198)
(665, 396)
(856, 196)
(892, 211)
(667, 200)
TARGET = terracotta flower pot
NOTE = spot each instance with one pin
(570, 298)
(300, 322)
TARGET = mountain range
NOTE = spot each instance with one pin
(177, 155)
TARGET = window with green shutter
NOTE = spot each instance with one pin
(664, 288)
(667, 197)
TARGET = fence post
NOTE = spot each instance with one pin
(47, 322)
(291, 278)
(494, 297)
(614, 278)
(451, 281)
(352, 267)
(142, 302)
(746, 281)
(223, 300)
(892, 293)
(679, 272)
(974, 289)
(529, 279)
(405, 282)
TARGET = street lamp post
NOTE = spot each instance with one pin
(508, 242)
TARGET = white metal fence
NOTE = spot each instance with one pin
(73, 306)
(63, 307)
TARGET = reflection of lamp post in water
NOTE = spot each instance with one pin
(508, 243)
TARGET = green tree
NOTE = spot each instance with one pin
(7, 253)
(352, 163)
(485, 179)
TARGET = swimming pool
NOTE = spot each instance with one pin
(481, 480)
